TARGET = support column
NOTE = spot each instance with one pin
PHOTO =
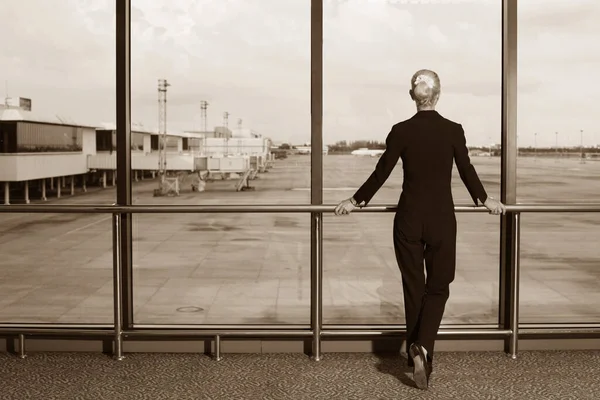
(84, 185)
(508, 178)
(316, 175)
(135, 173)
(104, 179)
(114, 177)
(63, 181)
(6, 193)
(72, 185)
(52, 183)
(58, 190)
(153, 174)
(26, 192)
(44, 190)
(123, 111)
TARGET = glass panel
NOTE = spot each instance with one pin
(221, 268)
(50, 107)
(371, 52)
(560, 268)
(56, 268)
(234, 102)
(363, 280)
(559, 140)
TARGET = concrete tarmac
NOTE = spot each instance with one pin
(255, 268)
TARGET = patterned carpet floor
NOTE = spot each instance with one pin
(489, 375)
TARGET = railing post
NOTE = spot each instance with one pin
(22, 351)
(514, 298)
(117, 288)
(218, 348)
(316, 286)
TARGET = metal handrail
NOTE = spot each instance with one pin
(271, 208)
(316, 330)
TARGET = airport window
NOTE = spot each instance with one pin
(154, 140)
(137, 141)
(559, 139)
(370, 52)
(105, 140)
(8, 137)
(173, 143)
(34, 137)
(249, 84)
(243, 102)
(558, 158)
(58, 84)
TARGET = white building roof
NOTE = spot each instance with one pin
(141, 128)
(16, 114)
(135, 127)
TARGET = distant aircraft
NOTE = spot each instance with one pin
(366, 152)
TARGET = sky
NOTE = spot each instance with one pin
(251, 58)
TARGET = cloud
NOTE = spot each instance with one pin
(580, 16)
(253, 60)
(436, 35)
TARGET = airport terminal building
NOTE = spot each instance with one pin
(40, 155)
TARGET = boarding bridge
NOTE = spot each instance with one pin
(209, 168)
(214, 158)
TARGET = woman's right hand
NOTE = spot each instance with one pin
(345, 207)
(495, 207)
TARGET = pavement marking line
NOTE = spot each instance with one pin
(88, 225)
(330, 189)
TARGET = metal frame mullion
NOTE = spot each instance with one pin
(316, 174)
(508, 180)
(123, 113)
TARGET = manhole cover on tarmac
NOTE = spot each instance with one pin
(190, 309)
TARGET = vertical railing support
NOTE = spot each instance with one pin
(514, 298)
(316, 287)
(218, 348)
(117, 288)
(22, 352)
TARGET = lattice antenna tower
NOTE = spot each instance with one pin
(203, 115)
(226, 119)
(162, 127)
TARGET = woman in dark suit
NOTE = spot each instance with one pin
(425, 223)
